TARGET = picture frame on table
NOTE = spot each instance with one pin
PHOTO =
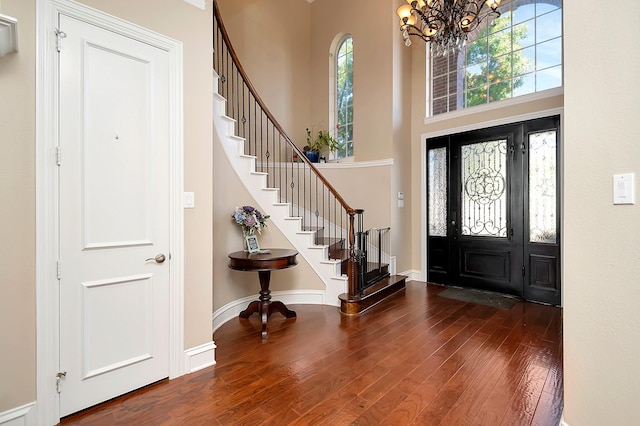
(252, 244)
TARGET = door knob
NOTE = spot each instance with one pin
(158, 259)
(453, 223)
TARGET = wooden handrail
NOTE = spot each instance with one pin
(271, 117)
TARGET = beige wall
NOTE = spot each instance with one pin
(173, 18)
(363, 187)
(272, 46)
(601, 249)
(230, 285)
(401, 217)
(369, 23)
(17, 212)
(272, 38)
(381, 106)
(273, 49)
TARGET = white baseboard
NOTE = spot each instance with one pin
(293, 297)
(200, 357)
(19, 416)
(562, 422)
(413, 274)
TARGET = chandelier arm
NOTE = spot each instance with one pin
(430, 17)
(440, 15)
(418, 33)
(476, 22)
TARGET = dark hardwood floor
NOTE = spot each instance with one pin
(417, 359)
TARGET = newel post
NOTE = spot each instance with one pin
(352, 264)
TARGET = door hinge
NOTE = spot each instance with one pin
(59, 270)
(61, 375)
(523, 272)
(59, 36)
(58, 155)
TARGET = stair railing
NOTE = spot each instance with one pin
(300, 184)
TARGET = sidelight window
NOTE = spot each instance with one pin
(542, 187)
(437, 192)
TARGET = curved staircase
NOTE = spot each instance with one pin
(305, 241)
(302, 203)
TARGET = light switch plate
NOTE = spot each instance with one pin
(188, 200)
(624, 189)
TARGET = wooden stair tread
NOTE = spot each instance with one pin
(328, 241)
(372, 295)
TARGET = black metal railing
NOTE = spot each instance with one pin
(374, 249)
(308, 193)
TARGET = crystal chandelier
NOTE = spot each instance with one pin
(444, 23)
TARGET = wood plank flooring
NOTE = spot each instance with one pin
(416, 359)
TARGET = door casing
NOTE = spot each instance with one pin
(47, 244)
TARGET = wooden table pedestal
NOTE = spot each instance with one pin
(264, 263)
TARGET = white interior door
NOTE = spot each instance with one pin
(114, 214)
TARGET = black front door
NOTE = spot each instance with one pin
(493, 210)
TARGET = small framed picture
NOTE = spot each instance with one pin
(252, 244)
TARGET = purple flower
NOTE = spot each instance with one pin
(249, 218)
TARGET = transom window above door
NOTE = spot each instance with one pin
(517, 54)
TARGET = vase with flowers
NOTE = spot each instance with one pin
(250, 219)
(317, 142)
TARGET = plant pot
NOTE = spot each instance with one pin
(312, 156)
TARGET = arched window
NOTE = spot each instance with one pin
(517, 54)
(343, 118)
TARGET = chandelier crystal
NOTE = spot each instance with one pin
(445, 24)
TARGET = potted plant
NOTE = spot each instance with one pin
(317, 142)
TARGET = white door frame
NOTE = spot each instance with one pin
(47, 189)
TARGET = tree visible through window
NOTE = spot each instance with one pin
(344, 98)
(517, 54)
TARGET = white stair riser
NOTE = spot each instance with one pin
(267, 199)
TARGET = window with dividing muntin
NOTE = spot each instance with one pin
(517, 54)
(344, 98)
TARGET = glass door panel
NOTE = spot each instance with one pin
(542, 187)
(484, 189)
(438, 158)
(437, 192)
